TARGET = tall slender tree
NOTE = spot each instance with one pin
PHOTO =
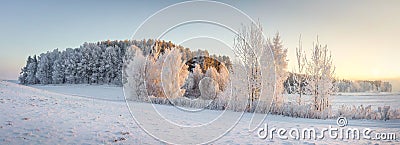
(281, 63)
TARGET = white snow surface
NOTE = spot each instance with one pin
(98, 114)
(102, 92)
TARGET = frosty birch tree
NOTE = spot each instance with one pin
(300, 78)
(321, 76)
(247, 46)
(135, 73)
(257, 57)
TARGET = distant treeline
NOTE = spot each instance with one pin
(98, 63)
(363, 86)
(294, 81)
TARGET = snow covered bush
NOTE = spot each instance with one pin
(219, 75)
(208, 88)
(368, 112)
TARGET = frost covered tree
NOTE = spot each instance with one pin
(28, 73)
(253, 50)
(174, 73)
(43, 70)
(281, 63)
(299, 79)
(23, 74)
(197, 74)
(32, 69)
(58, 75)
(117, 67)
(321, 71)
(213, 74)
(70, 70)
(247, 46)
(110, 56)
(153, 73)
(136, 73)
(223, 77)
(94, 64)
(166, 73)
(240, 89)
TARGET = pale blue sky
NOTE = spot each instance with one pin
(363, 35)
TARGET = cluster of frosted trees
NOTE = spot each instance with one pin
(317, 75)
(315, 78)
(264, 63)
(91, 63)
(206, 84)
(256, 78)
(88, 64)
(165, 74)
(245, 85)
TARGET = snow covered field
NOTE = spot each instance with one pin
(102, 92)
(84, 114)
